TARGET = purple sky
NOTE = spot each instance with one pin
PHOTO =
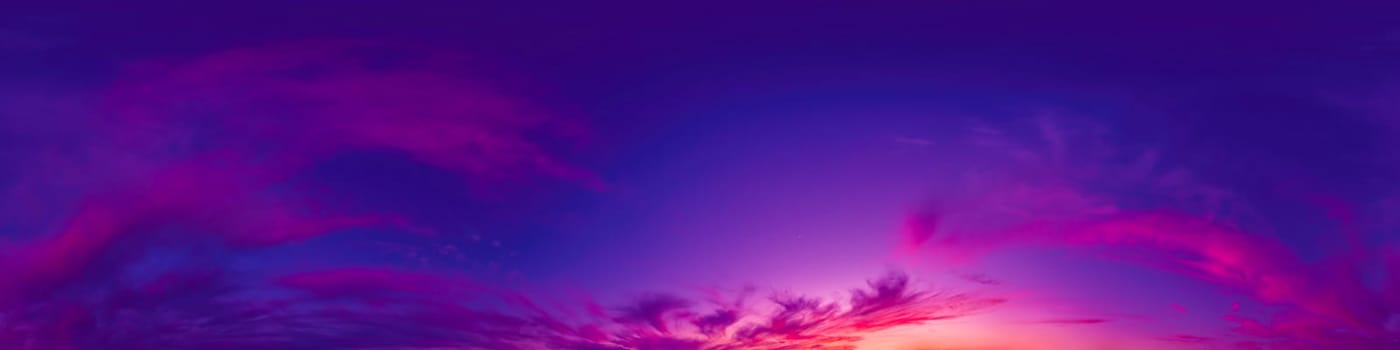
(657, 176)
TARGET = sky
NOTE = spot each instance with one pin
(725, 175)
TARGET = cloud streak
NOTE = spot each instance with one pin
(205, 159)
(1095, 200)
(202, 157)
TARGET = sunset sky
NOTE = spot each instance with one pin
(722, 175)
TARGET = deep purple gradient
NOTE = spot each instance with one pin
(650, 176)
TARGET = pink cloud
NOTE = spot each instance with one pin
(1051, 199)
(388, 308)
(203, 154)
(1073, 321)
(309, 99)
(200, 153)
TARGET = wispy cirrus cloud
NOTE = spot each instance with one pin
(1067, 188)
(202, 156)
(201, 161)
(378, 308)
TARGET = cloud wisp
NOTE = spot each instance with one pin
(204, 160)
(1070, 190)
(201, 157)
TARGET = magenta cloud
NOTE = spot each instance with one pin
(204, 152)
(1066, 189)
(200, 159)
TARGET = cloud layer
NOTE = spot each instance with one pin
(183, 166)
(1066, 187)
